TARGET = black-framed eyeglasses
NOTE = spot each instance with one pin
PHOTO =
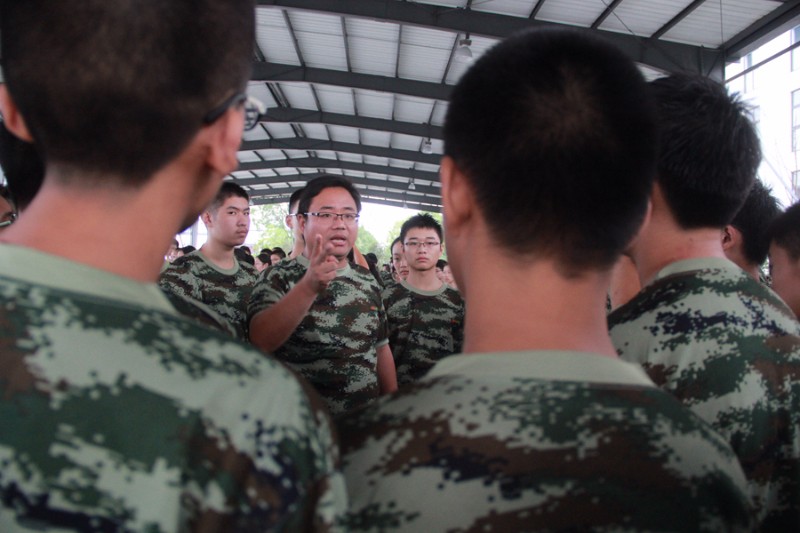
(254, 109)
(424, 244)
(7, 219)
(327, 216)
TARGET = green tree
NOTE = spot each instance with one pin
(269, 220)
(367, 243)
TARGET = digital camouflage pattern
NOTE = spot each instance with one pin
(424, 327)
(544, 441)
(334, 347)
(225, 291)
(123, 417)
(728, 348)
(199, 312)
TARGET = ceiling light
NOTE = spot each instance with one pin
(463, 53)
(427, 146)
(411, 186)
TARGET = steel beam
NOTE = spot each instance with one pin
(305, 143)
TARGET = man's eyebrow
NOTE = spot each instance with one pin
(331, 208)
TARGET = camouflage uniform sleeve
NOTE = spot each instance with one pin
(397, 314)
(272, 285)
(180, 280)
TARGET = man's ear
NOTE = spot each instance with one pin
(730, 236)
(457, 195)
(640, 233)
(206, 218)
(12, 117)
(224, 139)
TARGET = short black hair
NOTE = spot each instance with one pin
(785, 231)
(753, 221)
(226, 190)
(317, 185)
(278, 251)
(441, 263)
(141, 77)
(22, 166)
(420, 220)
(709, 150)
(555, 131)
(295, 198)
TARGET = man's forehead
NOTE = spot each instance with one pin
(235, 201)
(333, 198)
(422, 233)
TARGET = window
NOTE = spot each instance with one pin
(795, 120)
(749, 78)
(795, 185)
(796, 52)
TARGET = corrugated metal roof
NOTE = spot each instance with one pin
(357, 87)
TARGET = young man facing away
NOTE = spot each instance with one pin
(538, 425)
(745, 240)
(212, 275)
(321, 314)
(784, 257)
(425, 316)
(117, 414)
(703, 329)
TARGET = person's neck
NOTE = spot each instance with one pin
(218, 253)
(665, 243)
(121, 231)
(297, 249)
(517, 304)
(424, 280)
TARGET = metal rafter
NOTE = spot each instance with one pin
(276, 72)
(318, 162)
(677, 18)
(392, 186)
(605, 14)
(310, 144)
(312, 116)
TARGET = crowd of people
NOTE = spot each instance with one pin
(602, 350)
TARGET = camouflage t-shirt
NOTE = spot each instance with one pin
(540, 440)
(728, 348)
(334, 347)
(225, 291)
(116, 414)
(424, 326)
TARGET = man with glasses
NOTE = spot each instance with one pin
(425, 316)
(117, 413)
(321, 314)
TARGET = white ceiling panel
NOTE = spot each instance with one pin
(295, 154)
(316, 131)
(260, 90)
(264, 173)
(427, 167)
(405, 142)
(352, 158)
(344, 134)
(372, 160)
(411, 109)
(326, 154)
(271, 155)
(299, 95)
(374, 104)
(705, 25)
(273, 37)
(247, 156)
(573, 12)
(516, 8)
(279, 129)
(376, 138)
(256, 134)
(335, 99)
(372, 56)
(423, 63)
